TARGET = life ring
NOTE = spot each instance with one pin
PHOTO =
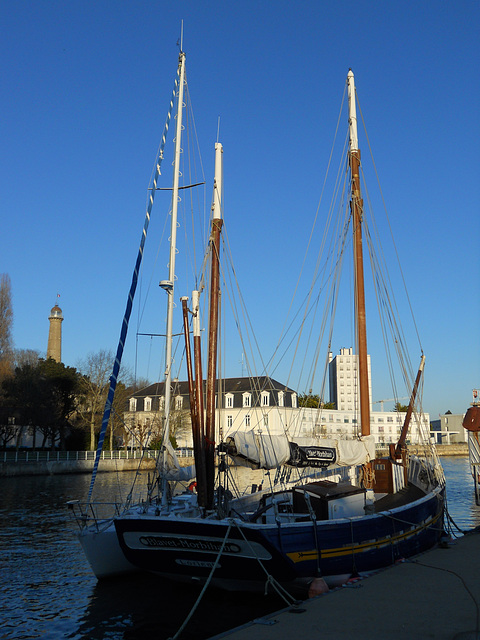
(192, 486)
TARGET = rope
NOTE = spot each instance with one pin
(130, 298)
(281, 591)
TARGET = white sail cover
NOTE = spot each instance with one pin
(265, 451)
(172, 470)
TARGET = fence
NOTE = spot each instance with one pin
(24, 455)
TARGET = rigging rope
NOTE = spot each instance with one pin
(131, 295)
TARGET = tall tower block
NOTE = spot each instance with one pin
(54, 348)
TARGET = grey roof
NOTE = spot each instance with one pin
(235, 386)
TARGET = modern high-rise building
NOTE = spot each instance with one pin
(343, 380)
(54, 348)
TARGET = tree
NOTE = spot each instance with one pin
(26, 356)
(400, 407)
(46, 395)
(96, 369)
(94, 384)
(314, 402)
(6, 321)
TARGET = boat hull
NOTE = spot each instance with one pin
(103, 552)
(245, 553)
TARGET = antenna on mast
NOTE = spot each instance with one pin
(218, 128)
(181, 38)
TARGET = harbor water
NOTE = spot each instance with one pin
(48, 590)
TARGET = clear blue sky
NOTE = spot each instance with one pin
(84, 90)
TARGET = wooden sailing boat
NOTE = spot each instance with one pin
(355, 518)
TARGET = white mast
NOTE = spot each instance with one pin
(169, 285)
(352, 112)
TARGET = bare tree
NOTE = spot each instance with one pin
(95, 382)
(26, 356)
(6, 322)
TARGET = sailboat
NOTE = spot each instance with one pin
(333, 509)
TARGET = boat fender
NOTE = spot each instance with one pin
(317, 587)
(471, 421)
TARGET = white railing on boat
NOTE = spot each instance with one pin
(25, 455)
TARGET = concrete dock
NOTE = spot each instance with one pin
(434, 595)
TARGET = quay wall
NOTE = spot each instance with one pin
(61, 467)
(57, 467)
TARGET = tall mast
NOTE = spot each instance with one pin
(169, 285)
(213, 323)
(356, 207)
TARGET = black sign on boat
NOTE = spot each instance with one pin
(311, 456)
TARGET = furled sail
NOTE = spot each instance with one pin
(170, 468)
(266, 451)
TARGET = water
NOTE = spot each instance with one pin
(48, 591)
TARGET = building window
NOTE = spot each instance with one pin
(178, 402)
(265, 421)
(229, 422)
(389, 419)
(148, 404)
(247, 400)
(133, 404)
(294, 400)
(161, 402)
(229, 400)
(265, 398)
(247, 420)
(280, 398)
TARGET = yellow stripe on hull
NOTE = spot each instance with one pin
(304, 556)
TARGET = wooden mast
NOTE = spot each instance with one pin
(401, 444)
(200, 465)
(356, 207)
(196, 405)
(213, 324)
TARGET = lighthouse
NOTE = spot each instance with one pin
(54, 348)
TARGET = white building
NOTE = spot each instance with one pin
(267, 405)
(343, 380)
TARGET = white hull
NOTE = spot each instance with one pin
(103, 552)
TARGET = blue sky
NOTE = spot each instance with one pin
(84, 93)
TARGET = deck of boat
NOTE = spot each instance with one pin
(403, 497)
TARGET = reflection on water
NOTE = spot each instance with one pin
(460, 492)
(47, 588)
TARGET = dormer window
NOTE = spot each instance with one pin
(281, 399)
(148, 404)
(247, 399)
(265, 398)
(161, 402)
(229, 400)
(294, 400)
(178, 402)
(133, 404)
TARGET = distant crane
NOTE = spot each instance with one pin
(389, 400)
